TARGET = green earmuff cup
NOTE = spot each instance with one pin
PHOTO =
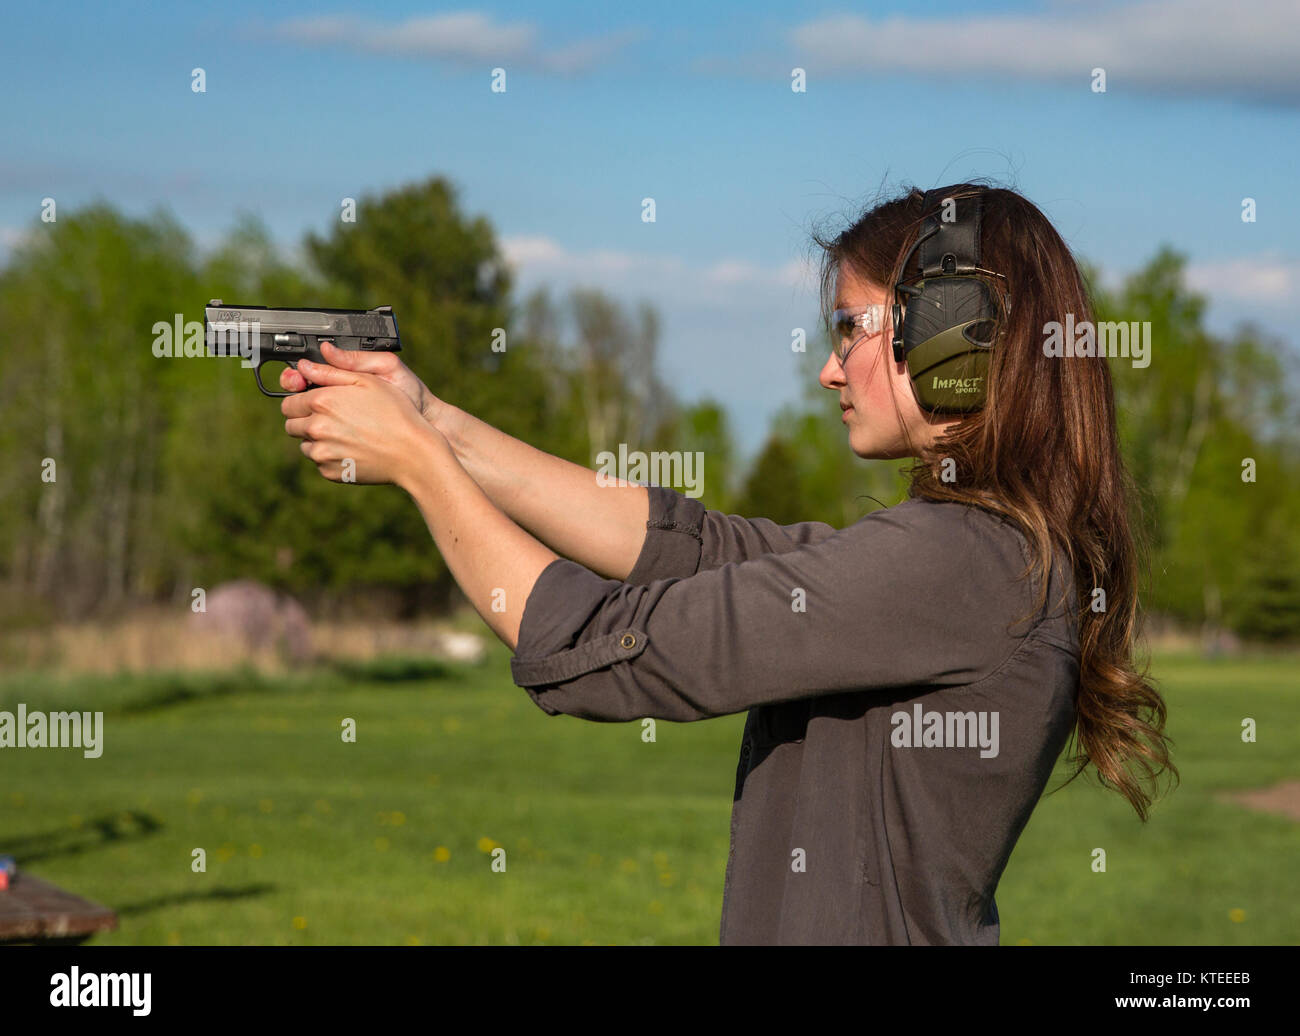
(947, 337)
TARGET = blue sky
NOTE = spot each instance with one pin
(689, 104)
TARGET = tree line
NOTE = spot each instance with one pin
(131, 478)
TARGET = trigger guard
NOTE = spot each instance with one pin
(257, 373)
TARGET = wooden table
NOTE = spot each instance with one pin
(32, 910)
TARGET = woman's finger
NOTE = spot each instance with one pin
(297, 427)
(359, 360)
(291, 380)
(324, 374)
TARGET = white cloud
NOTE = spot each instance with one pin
(532, 251)
(460, 36)
(542, 257)
(726, 324)
(1266, 278)
(11, 238)
(1249, 50)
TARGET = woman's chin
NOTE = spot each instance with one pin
(868, 451)
(874, 449)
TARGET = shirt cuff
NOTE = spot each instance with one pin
(565, 598)
(673, 545)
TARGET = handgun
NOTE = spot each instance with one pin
(262, 334)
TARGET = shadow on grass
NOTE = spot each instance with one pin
(182, 689)
(162, 692)
(130, 825)
(134, 694)
(396, 669)
(221, 894)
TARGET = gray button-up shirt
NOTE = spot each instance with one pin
(906, 702)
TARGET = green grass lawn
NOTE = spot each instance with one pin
(608, 839)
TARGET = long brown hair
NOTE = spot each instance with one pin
(1043, 452)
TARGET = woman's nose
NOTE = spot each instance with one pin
(832, 375)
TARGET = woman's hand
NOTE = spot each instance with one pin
(358, 427)
(385, 366)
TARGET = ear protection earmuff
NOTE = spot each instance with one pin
(953, 315)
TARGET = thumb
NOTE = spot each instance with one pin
(324, 374)
(355, 359)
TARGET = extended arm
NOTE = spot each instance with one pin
(901, 598)
(602, 527)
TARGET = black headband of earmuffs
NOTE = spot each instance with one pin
(940, 338)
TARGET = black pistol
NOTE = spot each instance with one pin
(262, 335)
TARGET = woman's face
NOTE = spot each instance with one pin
(876, 394)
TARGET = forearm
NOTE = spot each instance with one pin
(494, 561)
(601, 527)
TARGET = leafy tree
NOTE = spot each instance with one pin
(772, 489)
(80, 385)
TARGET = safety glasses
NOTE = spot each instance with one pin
(850, 326)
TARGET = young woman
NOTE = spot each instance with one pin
(910, 680)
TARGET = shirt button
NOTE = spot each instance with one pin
(628, 641)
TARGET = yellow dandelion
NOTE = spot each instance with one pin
(412, 940)
(629, 865)
(451, 724)
(656, 907)
(382, 844)
(666, 879)
(194, 797)
(1236, 915)
(486, 844)
(442, 854)
(173, 938)
(661, 861)
(300, 923)
(265, 805)
(323, 806)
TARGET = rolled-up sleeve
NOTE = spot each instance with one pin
(683, 538)
(899, 599)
